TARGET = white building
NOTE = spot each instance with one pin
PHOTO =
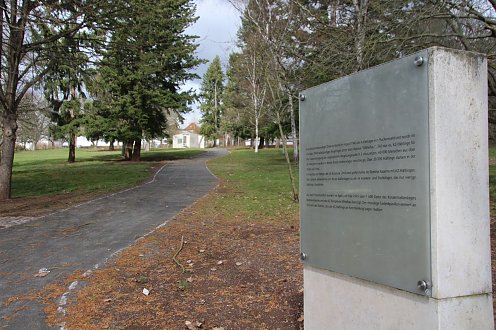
(82, 141)
(189, 138)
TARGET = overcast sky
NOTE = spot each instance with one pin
(217, 26)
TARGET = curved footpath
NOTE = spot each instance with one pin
(84, 237)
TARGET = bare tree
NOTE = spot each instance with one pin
(235, 120)
(34, 120)
(361, 10)
(278, 107)
(273, 22)
(253, 68)
(459, 24)
(258, 91)
(29, 32)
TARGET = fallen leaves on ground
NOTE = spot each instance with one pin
(237, 275)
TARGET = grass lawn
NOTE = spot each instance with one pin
(492, 172)
(47, 172)
(258, 184)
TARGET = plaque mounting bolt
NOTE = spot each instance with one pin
(302, 97)
(424, 286)
(419, 60)
(303, 256)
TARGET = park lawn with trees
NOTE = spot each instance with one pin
(132, 57)
(109, 70)
(43, 180)
(240, 251)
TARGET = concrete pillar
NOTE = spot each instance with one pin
(459, 208)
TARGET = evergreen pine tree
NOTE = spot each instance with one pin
(212, 90)
(149, 58)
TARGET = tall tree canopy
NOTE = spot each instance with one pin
(148, 59)
(65, 85)
(235, 120)
(212, 105)
(313, 41)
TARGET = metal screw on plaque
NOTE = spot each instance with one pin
(302, 97)
(424, 286)
(303, 256)
(419, 60)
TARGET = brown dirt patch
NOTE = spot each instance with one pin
(40, 205)
(239, 275)
(48, 296)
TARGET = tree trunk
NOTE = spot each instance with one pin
(72, 147)
(7, 156)
(111, 147)
(215, 114)
(256, 134)
(128, 150)
(137, 150)
(288, 161)
(361, 12)
(293, 128)
(72, 138)
(332, 11)
(261, 143)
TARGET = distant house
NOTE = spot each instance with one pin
(82, 142)
(189, 138)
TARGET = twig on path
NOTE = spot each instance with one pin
(177, 253)
(73, 235)
(84, 224)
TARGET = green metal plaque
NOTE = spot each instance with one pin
(364, 175)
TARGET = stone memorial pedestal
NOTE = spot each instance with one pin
(458, 294)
